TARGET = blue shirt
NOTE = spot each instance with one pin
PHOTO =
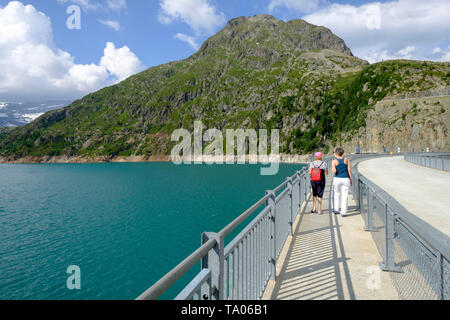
(342, 169)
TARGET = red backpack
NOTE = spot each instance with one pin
(316, 173)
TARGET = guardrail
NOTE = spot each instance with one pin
(242, 269)
(416, 254)
(439, 161)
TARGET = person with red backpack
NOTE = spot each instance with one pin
(318, 169)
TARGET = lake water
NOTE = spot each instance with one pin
(124, 225)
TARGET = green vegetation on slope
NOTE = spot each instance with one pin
(5, 132)
(343, 108)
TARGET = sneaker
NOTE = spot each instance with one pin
(313, 211)
(336, 212)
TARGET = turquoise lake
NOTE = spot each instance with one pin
(125, 225)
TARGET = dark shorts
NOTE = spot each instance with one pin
(318, 188)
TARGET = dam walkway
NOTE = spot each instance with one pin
(330, 257)
(394, 244)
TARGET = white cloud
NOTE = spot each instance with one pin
(200, 15)
(33, 68)
(188, 39)
(376, 30)
(117, 4)
(297, 5)
(120, 62)
(442, 54)
(111, 23)
(104, 5)
(437, 50)
(85, 4)
(405, 53)
(84, 78)
(446, 56)
(95, 5)
(31, 116)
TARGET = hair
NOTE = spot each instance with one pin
(339, 151)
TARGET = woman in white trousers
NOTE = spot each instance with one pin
(342, 181)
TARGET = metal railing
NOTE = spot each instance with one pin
(416, 254)
(241, 269)
(439, 161)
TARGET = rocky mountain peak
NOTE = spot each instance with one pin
(268, 33)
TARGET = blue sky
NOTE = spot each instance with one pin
(119, 37)
(152, 41)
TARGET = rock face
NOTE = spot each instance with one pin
(257, 72)
(263, 35)
(409, 124)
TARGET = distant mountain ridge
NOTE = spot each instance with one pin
(257, 72)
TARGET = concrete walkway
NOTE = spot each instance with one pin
(425, 192)
(330, 257)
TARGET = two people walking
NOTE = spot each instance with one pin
(342, 182)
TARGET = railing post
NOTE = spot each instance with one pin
(306, 184)
(356, 191)
(360, 195)
(214, 261)
(331, 199)
(300, 202)
(370, 198)
(273, 238)
(291, 206)
(440, 274)
(389, 259)
(300, 188)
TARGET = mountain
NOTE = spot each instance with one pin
(16, 114)
(257, 72)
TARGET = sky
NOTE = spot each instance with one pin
(65, 49)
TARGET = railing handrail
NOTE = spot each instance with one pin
(427, 154)
(425, 160)
(195, 285)
(176, 273)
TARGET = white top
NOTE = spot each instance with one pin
(318, 164)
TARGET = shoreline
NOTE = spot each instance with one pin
(284, 158)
